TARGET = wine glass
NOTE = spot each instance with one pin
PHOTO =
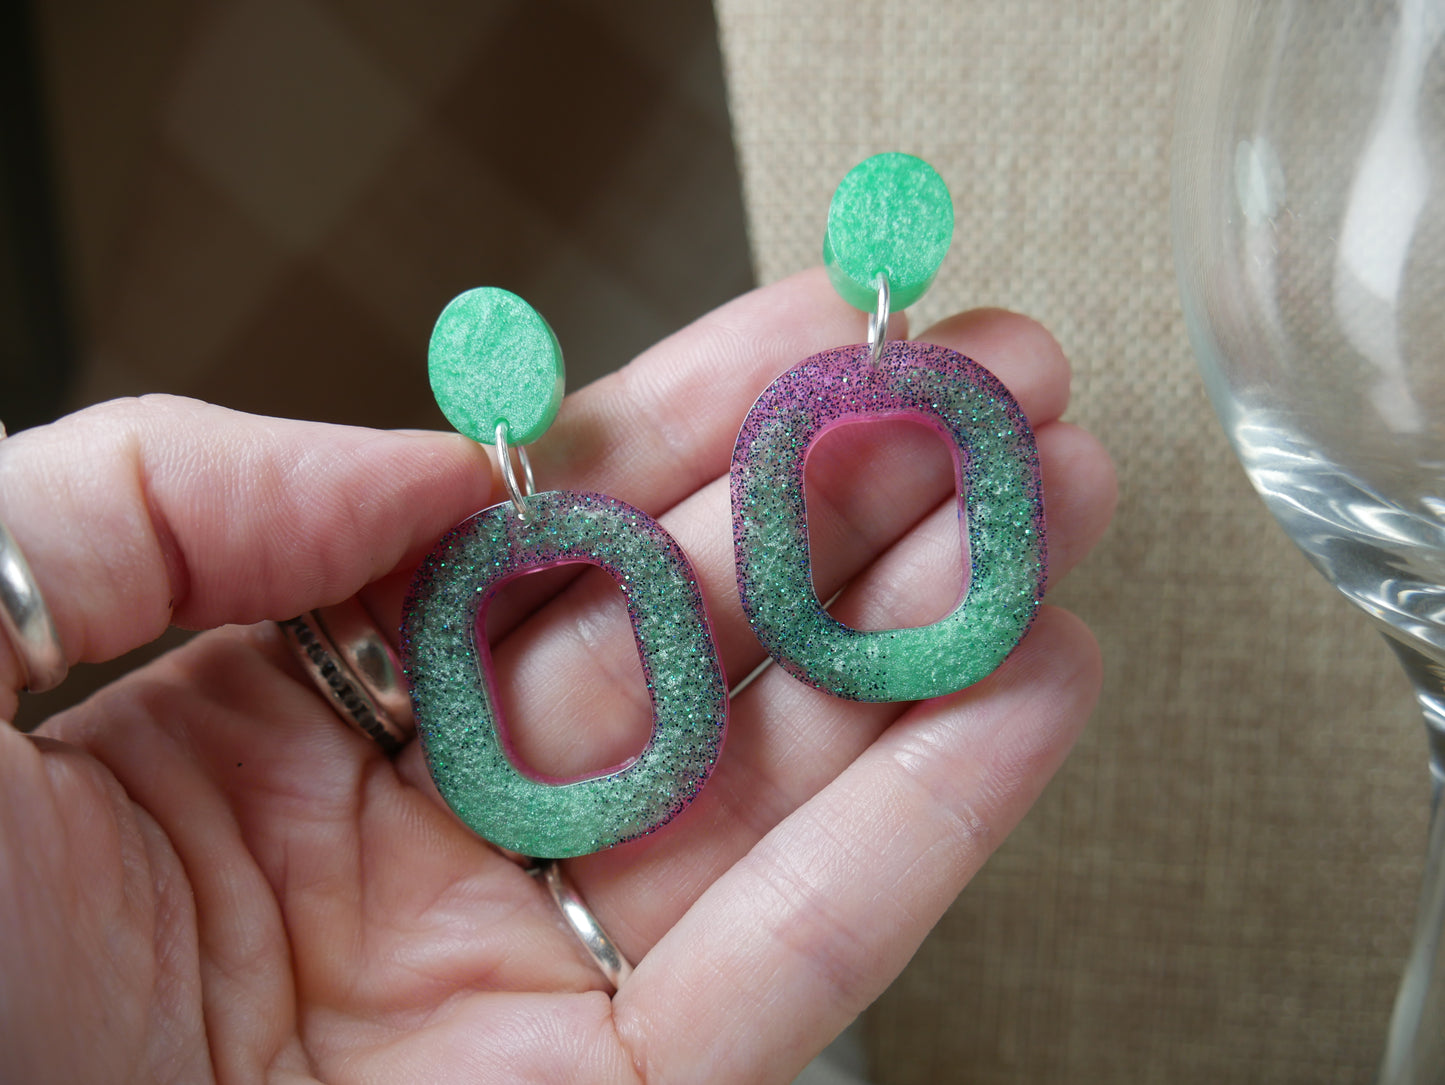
(1309, 234)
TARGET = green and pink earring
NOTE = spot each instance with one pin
(889, 226)
(496, 371)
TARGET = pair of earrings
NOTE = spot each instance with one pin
(496, 370)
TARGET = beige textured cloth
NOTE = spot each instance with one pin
(1219, 885)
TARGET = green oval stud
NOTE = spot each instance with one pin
(891, 215)
(492, 359)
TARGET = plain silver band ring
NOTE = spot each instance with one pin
(26, 620)
(599, 947)
(349, 661)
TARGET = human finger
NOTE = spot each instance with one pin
(1016, 349)
(663, 426)
(141, 513)
(807, 929)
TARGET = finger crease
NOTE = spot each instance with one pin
(178, 573)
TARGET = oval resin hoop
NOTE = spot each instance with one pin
(449, 666)
(1000, 508)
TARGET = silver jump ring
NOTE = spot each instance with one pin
(27, 621)
(878, 319)
(349, 661)
(518, 493)
(603, 951)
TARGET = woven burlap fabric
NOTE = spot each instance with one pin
(1219, 885)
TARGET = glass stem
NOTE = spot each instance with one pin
(1415, 1050)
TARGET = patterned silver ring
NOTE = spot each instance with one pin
(350, 662)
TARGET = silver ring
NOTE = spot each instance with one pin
(878, 319)
(528, 486)
(27, 621)
(351, 663)
(603, 951)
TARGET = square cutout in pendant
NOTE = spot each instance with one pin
(886, 523)
(560, 647)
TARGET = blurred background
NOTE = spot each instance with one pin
(265, 203)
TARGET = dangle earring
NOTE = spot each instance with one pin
(889, 226)
(496, 371)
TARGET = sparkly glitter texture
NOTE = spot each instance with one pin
(892, 216)
(453, 687)
(492, 358)
(1000, 510)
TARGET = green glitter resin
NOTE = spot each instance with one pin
(1000, 502)
(449, 667)
(493, 358)
(892, 216)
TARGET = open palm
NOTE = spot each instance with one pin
(205, 876)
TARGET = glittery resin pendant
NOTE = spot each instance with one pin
(886, 211)
(448, 662)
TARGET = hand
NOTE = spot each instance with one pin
(205, 875)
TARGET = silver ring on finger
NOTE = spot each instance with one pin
(350, 661)
(603, 951)
(27, 621)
